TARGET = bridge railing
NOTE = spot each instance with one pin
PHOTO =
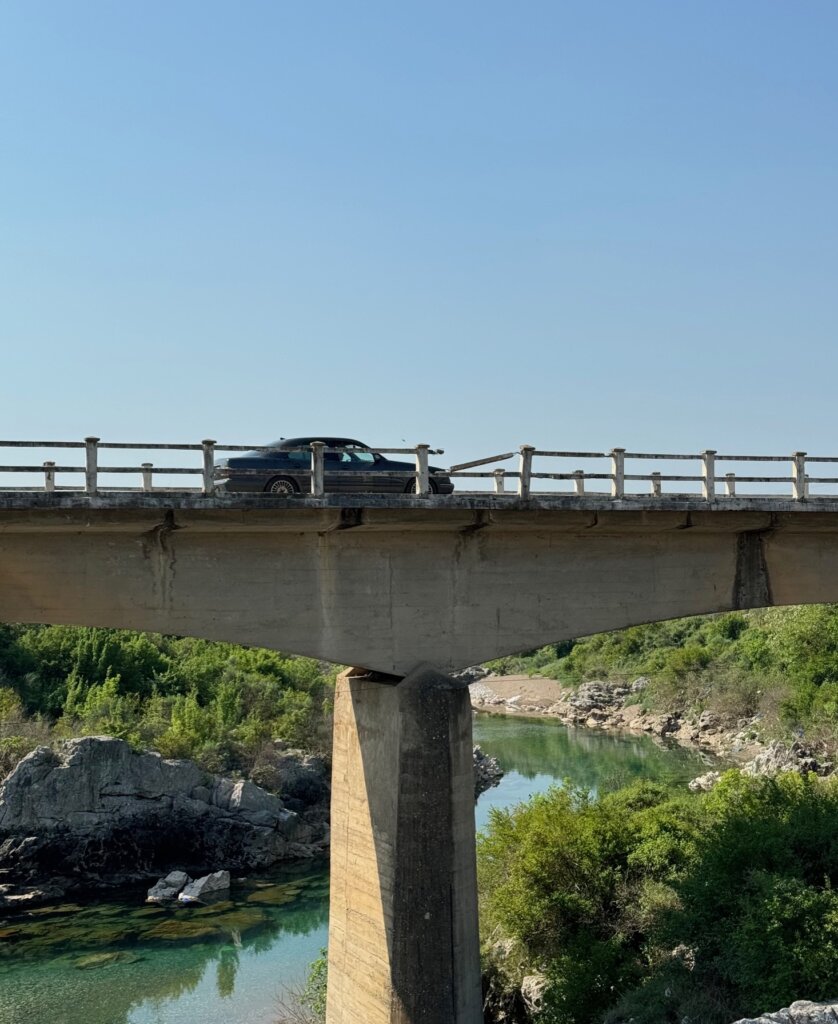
(614, 480)
(608, 474)
(209, 472)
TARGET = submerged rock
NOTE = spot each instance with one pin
(94, 811)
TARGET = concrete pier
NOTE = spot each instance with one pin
(403, 933)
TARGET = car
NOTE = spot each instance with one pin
(280, 469)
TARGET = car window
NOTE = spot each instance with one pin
(356, 458)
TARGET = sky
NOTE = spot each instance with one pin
(576, 224)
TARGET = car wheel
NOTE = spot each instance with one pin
(411, 487)
(282, 485)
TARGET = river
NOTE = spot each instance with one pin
(119, 961)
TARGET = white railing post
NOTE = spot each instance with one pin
(423, 482)
(91, 471)
(578, 482)
(708, 474)
(657, 489)
(500, 481)
(806, 486)
(525, 469)
(730, 484)
(318, 488)
(208, 447)
(618, 472)
(147, 481)
(798, 476)
(49, 476)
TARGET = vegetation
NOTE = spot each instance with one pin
(307, 1005)
(652, 907)
(780, 663)
(217, 703)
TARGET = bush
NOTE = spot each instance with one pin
(651, 906)
(12, 749)
(214, 702)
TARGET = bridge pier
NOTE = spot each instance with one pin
(403, 933)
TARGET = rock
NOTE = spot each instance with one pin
(801, 1012)
(14, 897)
(472, 674)
(93, 811)
(167, 889)
(533, 988)
(777, 758)
(704, 783)
(209, 885)
(487, 772)
(303, 777)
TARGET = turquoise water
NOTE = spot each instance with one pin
(118, 961)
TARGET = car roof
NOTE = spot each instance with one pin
(330, 442)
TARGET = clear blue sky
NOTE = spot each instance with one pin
(477, 224)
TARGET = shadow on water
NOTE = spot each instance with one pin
(116, 961)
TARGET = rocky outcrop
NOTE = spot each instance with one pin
(779, 757)
(93, 811)
(801, 1012)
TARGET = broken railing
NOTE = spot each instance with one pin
(613, 479)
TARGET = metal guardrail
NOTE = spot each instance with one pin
(619, 483)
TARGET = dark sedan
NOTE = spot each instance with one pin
(280, 470)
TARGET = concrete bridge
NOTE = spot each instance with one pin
(409, 588)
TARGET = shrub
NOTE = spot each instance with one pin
(657, 907)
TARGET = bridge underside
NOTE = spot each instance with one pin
(390, 589)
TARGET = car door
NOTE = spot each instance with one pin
(359, 471)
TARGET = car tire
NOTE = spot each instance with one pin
(410, 488)
(282, 485)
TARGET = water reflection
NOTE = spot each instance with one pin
(119, 961)
(537, 753)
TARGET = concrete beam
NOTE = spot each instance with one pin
(390, 588)
(403, 933)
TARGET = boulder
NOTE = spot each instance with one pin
(201, 888)
(704, 783)
(93, 811)
(166, 889)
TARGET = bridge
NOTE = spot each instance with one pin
(408, 588)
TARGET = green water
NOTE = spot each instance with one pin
(118, 961)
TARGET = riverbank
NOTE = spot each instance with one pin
(618, 707)
(110, 957)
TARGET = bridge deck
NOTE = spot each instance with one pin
(478, 501)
